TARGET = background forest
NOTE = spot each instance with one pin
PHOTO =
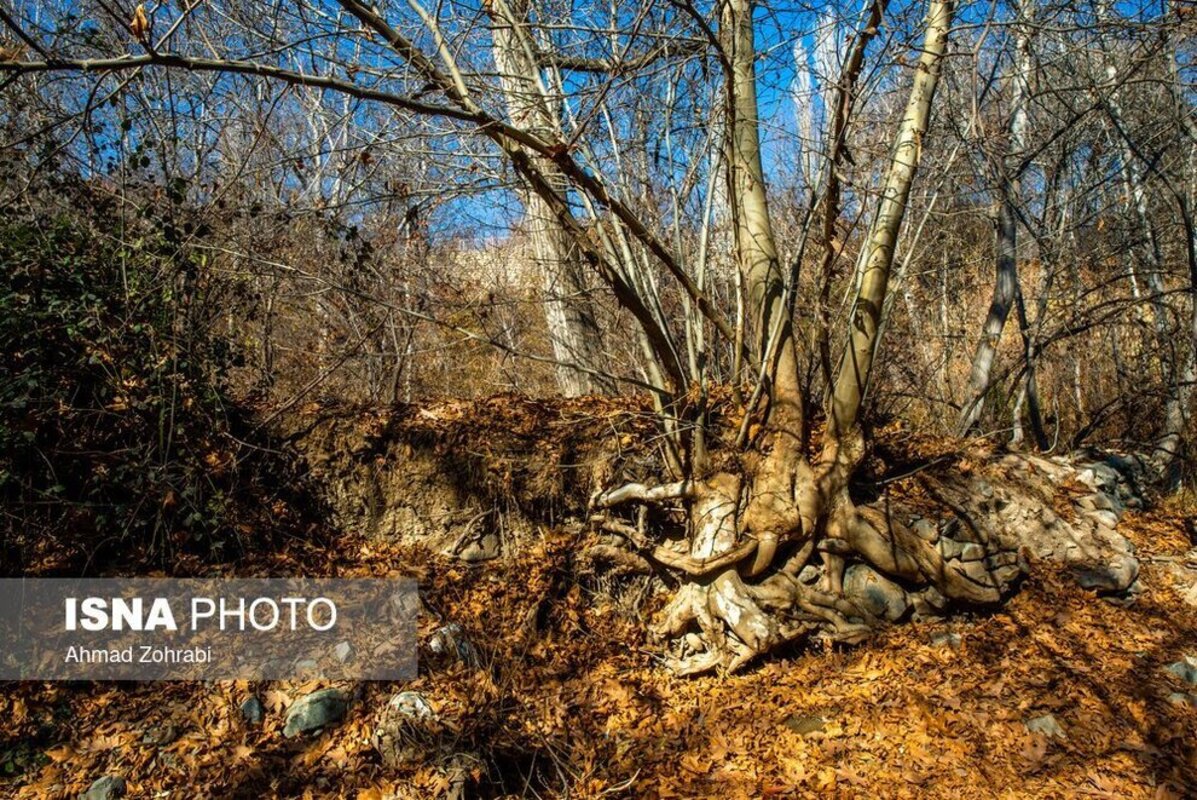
(275, 241)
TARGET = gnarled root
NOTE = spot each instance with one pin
(739, 621)
(734, 628)
(865, 568)
(972, 571)
(787, 551)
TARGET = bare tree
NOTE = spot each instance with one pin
(1007, 293)
(634, 138)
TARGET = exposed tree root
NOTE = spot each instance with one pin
(763, 571)
(768, 545)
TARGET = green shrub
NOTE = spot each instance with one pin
(111, 420)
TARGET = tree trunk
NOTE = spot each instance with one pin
(751, 533)
(1006, 290)
(877, 258)
(569, 310)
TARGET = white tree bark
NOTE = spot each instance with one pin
(1007, 293)
(569, 311)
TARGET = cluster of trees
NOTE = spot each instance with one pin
(737, 193)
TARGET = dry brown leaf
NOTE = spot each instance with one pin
(139, 26)
(60, 753)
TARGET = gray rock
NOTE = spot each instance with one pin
(252, 711)
(972, 552)
(1103, 501)
(876, 594)
(1116, 471)
(934, 598)
(412, 705)
(408, 731)
(316, 710)
(805, 725)
(1106, 519)
(926, 530)
(1127, 597)
(1186, 670)
(342, 652)
(1182, 699)
(1047, 725)
(1098, 476)
(1130, 468)
(950, 548)
(449, 645)
(108, 787)
(946, 639)
(953, 529)
(308, 666)
(1117, 574)
(1008, 573)
(929, 603)
(485, 548)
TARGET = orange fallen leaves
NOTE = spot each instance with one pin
(569, 681)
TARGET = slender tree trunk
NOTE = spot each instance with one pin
(1004, 290)
(1019, 128)
(267, 377)
(845, 97)
(569, 310)
(1007, 294)
(756, 250)
(876, 260)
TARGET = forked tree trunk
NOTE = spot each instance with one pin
(751, 532)
(569, 310)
